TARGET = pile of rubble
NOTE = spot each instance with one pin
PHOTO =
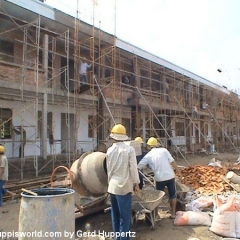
(206, 179)
(214, 199)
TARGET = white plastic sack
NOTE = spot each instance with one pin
(237, 227)
(215, 163)
(226, 218)
(192, 218)
(223, 223)
(199, 204)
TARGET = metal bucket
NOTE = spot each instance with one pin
(90, 174)
(49, 215)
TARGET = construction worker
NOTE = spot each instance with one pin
(139, 139)
(123, 179)
(163, 165)
(195, 112)
(83, 70)
(3, 174)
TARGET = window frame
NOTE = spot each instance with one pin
(6, 123)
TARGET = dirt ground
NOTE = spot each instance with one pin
(165, 229)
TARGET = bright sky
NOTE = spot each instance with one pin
(198, 35)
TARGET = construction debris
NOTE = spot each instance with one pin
(30, 184)
(205, 179)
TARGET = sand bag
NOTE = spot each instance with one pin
(237, 228)
(192, 218)
(225, 218)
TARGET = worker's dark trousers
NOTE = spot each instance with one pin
(2, 191)
(121, 213)
(84, 78)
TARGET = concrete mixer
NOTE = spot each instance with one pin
(88, 177)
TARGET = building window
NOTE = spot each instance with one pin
(197, 135)
(234, 130)
(5, 123)
(91, 126)
(6, 51)
(179, 126)
(127, 123)
(49, 124)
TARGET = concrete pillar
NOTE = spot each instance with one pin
(144, 137)
(188, 134)
(45, 97)
(100, 106)
(165, 89)
(56, 72)
(202, 131)
(136, 109)
(44, 126)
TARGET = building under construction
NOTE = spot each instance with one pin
(47, 110)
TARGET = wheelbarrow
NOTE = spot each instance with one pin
(147, 202)
(181, 190)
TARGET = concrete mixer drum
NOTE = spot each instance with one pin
(90, 174)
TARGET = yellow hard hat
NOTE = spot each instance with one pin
(119, 129)
(2, 149)
(138, 139)
(118, 132)
(152, 141)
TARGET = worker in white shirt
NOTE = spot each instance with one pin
(4, 175)
(123, 179)
(195, 112)
(163, 165)
(83, 70)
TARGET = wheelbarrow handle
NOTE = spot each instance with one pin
(146, 178)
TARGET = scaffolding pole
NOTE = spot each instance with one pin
(159, 122)
(215, 119)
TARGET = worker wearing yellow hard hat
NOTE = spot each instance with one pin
(2, 149)
(123, 179)
(162, 164)
(138, 139)
(152, 142)
(118, 133)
